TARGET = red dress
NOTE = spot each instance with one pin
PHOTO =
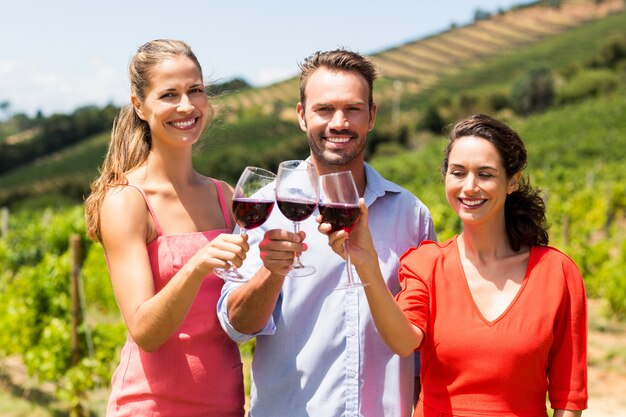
(505, 367)
(197, 372)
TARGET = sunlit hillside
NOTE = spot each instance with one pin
(421, 63)
(458, 70)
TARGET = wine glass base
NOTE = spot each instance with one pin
(350, 286)
(230, 275)
(301, 271)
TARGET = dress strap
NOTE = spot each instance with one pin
(152, 213)
(220, 195)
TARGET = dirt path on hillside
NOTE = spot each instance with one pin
(607, 365)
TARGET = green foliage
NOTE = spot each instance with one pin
(35, 300)
(432, 120)
(534, 92)
(236, 84)
(394, 139)
(96, 281)
(480, 14)
(18, 123)
(585, 84)
(57, 132)
(569, 48)
(33, 234)
(555, 3)
(247, 348)
(257, 138)
(96, 371)
(68, 175)
(611, 53)
(612, 274)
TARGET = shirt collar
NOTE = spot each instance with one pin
(376, 185)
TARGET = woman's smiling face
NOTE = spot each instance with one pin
(476, 182)
(176, 105)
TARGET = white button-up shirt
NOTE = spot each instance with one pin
(320, 353)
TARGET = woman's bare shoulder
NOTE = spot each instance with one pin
(124, 212)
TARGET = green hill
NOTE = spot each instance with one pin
(445, 76)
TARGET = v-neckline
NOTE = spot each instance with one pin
(468, 291)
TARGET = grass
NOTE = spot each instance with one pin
(26, 398)
(13, 406)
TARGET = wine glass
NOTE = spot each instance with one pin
(297, 195)
(339, 206)
(249, 209)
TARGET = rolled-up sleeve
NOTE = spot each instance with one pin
(222, 315)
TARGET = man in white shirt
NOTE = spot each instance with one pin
(317, 349)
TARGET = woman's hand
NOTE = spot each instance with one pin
(395, 329)
(362, 250)
(223, 251)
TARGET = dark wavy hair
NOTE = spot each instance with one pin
(524, 209)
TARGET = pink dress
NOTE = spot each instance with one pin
(198, 371)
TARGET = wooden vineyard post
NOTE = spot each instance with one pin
(4, 222)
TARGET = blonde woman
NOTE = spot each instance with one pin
(164, 228)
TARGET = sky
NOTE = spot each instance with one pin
(56, 56)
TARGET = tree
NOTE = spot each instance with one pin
(555, 3)
(612, 52)
(480, 14)
(534, 92)
(233, 85)
(5, 106)
(432, 120)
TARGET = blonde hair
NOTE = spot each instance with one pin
(130, 136)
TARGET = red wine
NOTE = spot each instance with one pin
(340, 216)
(296, 210)
(250, 212)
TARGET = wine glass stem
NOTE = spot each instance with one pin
(242, 232)
(348, 263)
(296, 256)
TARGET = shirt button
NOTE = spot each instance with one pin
(351, 332)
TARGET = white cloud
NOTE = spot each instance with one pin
(6, 68)
(31, 87)
(109, 83)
